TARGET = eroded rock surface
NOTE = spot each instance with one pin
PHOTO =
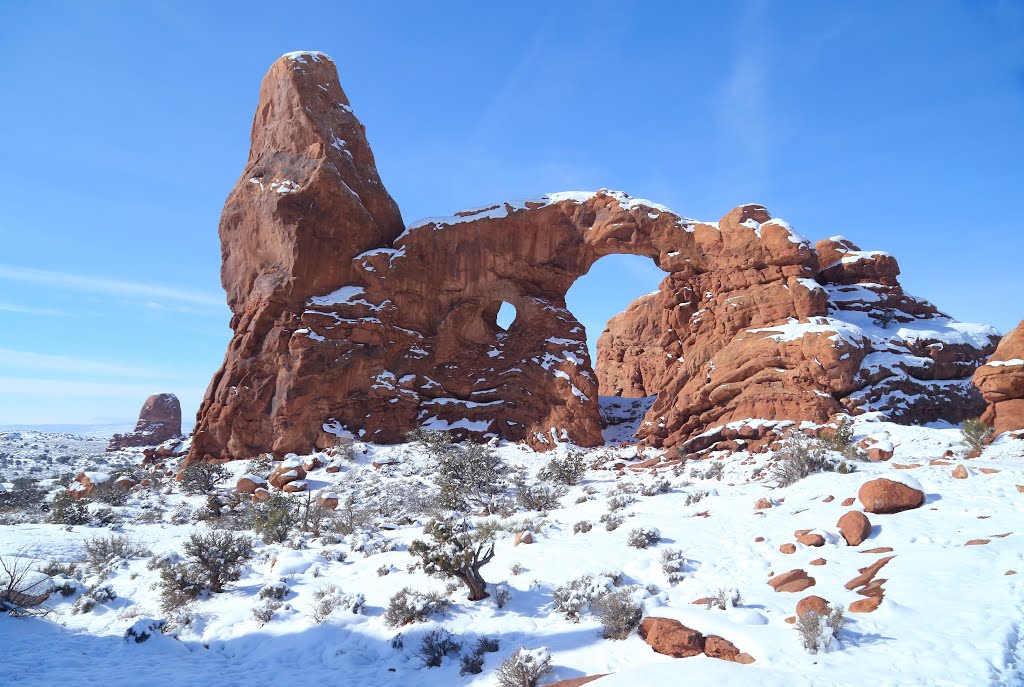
(159, 421)
(346, 321)
(1001, 381)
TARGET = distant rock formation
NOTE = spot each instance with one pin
(1001, 381)
(346, 321)
(159, 420)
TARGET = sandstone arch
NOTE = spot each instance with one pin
(344, 319)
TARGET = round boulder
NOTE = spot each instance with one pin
(855, 527)
(812, 603)
(894, 495)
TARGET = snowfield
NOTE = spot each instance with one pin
(951, 615)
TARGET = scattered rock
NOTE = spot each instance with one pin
(855, 527)
(811, 539)
(576, 681)
(828, 499)
(960, 472)
(247, 484)
(878, 549)
(762, 504)
(880, 451)
(523, 538)
(289, 470)
(867, 574)
(723, 649)
(671, 637)
(978, 542)
(988, 471)
(758, 539)
(296, 486)
(792, 581)
(124, 483)
(812, 603)
(88, 483)
(328, 501)
(889, 496)
(848, 502)
(788, 548)
(907, 466)
(866, 605)
(819, 561)
(260, 494)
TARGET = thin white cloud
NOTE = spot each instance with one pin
(104, 285)
(32, 310)
(44, 362)
(60, 388)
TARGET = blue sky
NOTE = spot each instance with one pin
(124, 125)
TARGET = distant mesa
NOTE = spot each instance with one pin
(159, 421)
(346, 320)
(1001, 381)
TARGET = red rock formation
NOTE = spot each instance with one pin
(345, 321)
(890, 496)
(1001, 381)
(159, 421)
(855, 527)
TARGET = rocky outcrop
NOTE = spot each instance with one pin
(159, 421)
(347, 322)
(1001, 381)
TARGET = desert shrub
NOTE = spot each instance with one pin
(311, 517)
(524, 668)
(23, 588)
(179, 584)
(618, 613)
(539, 497)
(59, 569)
(642, 537)
(975, 433)
(517, 568)
(661, 486)
(411, 606)
(817, 631)
(103, 553)
(21, 503)
(471, 664)
(202, 477)
(182, 514)
(715, 470)
(619, 502)
(349, 516)
(573, 597)
(723, 599)
(612, 521)
(673, 565)
(273, 519)
(67, 510)
(455, 553)
(264, 613)
(468, 476)
(583, 526)
(437, 644)
(274, 590)
(344, 449)
(370, 542)
(94, 596)
(260, 465)
(839, 438)
(502, 594)
(568, 470)
(329, 598)
(798, 457)
(695, 497)
(143, 630)
(219, 556)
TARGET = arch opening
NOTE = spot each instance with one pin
(506, 316)
(613, 284)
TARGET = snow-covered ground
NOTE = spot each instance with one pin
(951, 615)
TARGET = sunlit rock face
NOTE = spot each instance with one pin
(347, 321)
(1001, 381)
